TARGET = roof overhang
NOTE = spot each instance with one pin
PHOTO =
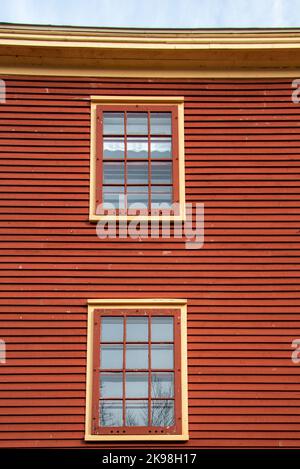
(80, 51)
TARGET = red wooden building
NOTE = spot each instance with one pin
(125, 339)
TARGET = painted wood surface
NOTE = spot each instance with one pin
(242, 144)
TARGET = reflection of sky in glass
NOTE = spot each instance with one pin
(162, 357)
(111, 357)
(162, 329)
(137, 148)
(112, 329)
(113, 148)
(137, 123)
(137, 385)
(136, 327)
(160, 123)
(161, 148)
(111, 385)
(137, 357)
(113, 123)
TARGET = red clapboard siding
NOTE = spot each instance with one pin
(242, 146)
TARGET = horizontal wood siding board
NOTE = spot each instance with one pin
(242, 142)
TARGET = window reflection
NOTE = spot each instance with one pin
(162, 385)
(162, 329)
(131, 383)
(137, 413)
(113, 148)
(113, 173)
(112, 329)
(113, 123)
(160, 123)
(161, 148)
(113, 196)
(162, 357)
(111, 357)
(111, 414)
(161, 173)
(137, 123)
(137, 148)
(137, 173)
(137, 357)
(111, 385)
(162, 413)
(137, 385)
(137, 329)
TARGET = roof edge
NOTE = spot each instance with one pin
(70, 36)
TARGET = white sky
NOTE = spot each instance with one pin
(154, 13)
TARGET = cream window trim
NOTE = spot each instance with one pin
(126, 100)
(94, 304)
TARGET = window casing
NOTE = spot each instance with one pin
(137, 159)
(136, 372)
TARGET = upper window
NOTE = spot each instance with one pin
(137, 161)
(137, 372)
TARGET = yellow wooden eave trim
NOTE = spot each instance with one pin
(163, 39)
(152, 43)
(95, 52)
(178, 73)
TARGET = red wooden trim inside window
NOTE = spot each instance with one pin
(100, 109)
(137, 430)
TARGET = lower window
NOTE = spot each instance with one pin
(137, 370)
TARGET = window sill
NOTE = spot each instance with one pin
(96, 218)
(182, 437)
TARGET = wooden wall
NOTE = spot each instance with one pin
(242, 161)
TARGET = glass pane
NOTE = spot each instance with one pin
(162, 329)
(137, 123)
(162, 385)
(137, 357)
(113, 173)
(162, 357)
(161, 173)
(161, 123)
(137, 173)
(137, 413)
(162, 413)
(161, 195)
(113, 196)
(137, 148)
(113, 148)
(137, 385)
(137, 195)
(111, 357)
(113, 123)
(161, 148)
(111, 414)
(111, 385)
(112, 329)
(137, 329)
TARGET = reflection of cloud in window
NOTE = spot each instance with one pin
(2, 351)
(2, 91)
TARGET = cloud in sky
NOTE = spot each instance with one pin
(154, 13)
